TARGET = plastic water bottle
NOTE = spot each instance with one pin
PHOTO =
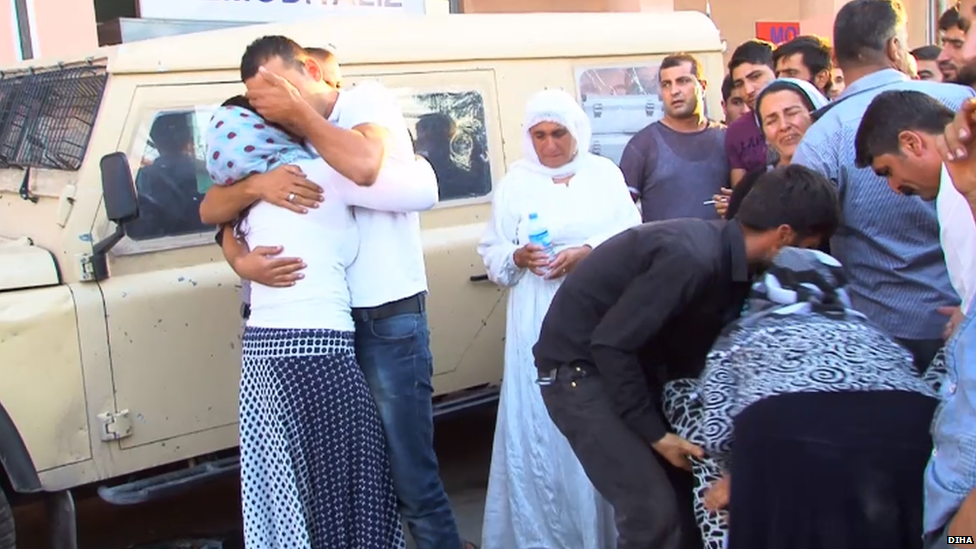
(539, 235)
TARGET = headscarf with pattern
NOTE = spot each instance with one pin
(800, 281)
(240, 143)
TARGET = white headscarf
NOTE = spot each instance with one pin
(813, 95)
(561, 108)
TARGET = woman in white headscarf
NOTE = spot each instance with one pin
(784, 111)
(538, 494)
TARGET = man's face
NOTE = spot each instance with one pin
(929, 70)
(837, 84)
(736, 106)
(751, 79)
(915, 170)
(307, 76)
(967, 63)
(769, 244)
(951, 59)
(681, 91)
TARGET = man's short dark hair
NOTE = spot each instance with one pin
(754, 52)
(727, 86)
(792, 195)
(863, 28)
(891, 113)
(815, 50)
(950, 20)
(320, 54)
(927, 53)
(678, 59)
(267, 48)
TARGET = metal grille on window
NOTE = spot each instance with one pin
(46, 117)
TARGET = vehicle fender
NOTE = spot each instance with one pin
(15, 458)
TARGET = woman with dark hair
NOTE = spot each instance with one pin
(783, 112)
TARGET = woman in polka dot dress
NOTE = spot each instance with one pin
(314, 467)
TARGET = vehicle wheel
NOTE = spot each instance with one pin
(7, 535)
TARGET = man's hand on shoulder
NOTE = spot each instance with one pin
(262, 266)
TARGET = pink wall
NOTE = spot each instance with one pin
(8, 35)
(59, 28)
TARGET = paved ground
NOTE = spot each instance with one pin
(213, 512)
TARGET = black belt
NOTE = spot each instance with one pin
(409, 305)
(571, 372)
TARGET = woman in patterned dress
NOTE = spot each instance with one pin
(818, 417)
(314, 467)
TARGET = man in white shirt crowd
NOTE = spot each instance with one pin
(354, 131)
(897, 139)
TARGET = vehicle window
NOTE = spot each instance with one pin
(46, 117)
(448, 129)
(172, 176)
(620, 101)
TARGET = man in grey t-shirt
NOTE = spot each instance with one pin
(678, 163)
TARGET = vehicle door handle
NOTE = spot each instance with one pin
(478, 278)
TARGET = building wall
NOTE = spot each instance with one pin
(58, 28)
(735, 19)
(63, 27)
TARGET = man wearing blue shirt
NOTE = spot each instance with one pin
(888, 245)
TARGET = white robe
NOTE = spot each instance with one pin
(538, 495)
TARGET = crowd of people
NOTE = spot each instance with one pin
(754, 333)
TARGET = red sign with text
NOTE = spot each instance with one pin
(777, 32)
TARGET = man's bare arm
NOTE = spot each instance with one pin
(736, 175)
(356, 154)
(222, 204)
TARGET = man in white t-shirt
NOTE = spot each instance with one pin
(897, 139)
(354, 131)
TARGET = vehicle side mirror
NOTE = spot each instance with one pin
(121, 207)
(121, 202)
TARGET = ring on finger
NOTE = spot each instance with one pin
(291, 197)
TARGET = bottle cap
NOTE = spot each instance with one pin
(533, 215)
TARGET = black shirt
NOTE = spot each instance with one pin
(645, 307)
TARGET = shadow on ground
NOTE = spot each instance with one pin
(209, 517)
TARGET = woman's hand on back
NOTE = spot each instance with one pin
(566, 261)
(287, 187)
(531, 257)
(260, 265)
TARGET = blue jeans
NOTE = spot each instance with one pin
(394, 354)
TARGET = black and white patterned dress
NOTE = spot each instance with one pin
(785, 347)
(314, 467)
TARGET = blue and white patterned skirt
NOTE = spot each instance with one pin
(314, 467)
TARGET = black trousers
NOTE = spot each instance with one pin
(652, 500)
(923, 351)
